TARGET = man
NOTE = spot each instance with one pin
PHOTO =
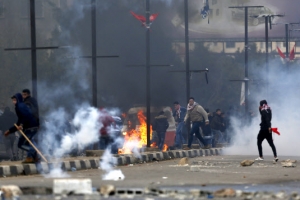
(216, 126)
(196, 114)
(26, 122)
(265, 130)
(179, 114)
(32, 103)
(161, 125)
(6, 120)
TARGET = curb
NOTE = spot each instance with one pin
(84, 164)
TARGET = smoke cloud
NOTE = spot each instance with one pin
(281, 95)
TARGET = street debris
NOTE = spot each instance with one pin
(246, 163)
(10, 191)
(289, 163)
(183, 161)
(228, 192)
(107, 190)
(194, 168)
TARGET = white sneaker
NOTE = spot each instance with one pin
(276, 159)
(259, 158)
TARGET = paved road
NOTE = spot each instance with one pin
(211, 172)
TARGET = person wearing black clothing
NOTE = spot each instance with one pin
(6, 120)
(32, 103)
(216, 126)
(161, 125)
(26, 122)
(265, 130)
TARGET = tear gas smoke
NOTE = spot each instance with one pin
(281, 96)
(107, 164)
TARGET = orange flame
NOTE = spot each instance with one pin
(165, 147)
(136, 138)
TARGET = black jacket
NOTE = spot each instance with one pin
(266, 117)
(25, 116)
(32, 103)
(160, 124)
(217, 122)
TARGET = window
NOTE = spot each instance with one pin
(25, 9)
(262, 45)
(2, 9)
(283, 44)
(230, 44)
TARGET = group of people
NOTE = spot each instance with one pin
(26, 121)
(208, 128)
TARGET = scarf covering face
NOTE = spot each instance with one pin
(192, 106)
(265, 107)
(178, 112)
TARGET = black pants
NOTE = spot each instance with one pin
(265, 134)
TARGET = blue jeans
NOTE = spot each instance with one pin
(179, 135)
(24, 145)
(161, 139)
(195, 129)
(217, 137)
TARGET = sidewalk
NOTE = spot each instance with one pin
(16, 168)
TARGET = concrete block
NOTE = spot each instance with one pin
(5, 170)
(66, 166)
(166, 155)
(150, 157)
(94, 163)
(184, 154)
(159, 156)
(190, 153)
(30, 169)
(179, 154)
(144, 158)
(16, 170)
(76, 164)
(172, 154)
(74, 186)
(196, 153)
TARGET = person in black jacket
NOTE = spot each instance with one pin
(161, 125)
(265, 130)
(32, 103)
(216, 126)
(26, 122)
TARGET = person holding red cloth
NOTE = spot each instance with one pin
(265, 130)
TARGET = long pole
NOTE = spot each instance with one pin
(187, 49)
(33, 48)
(148, 95)
(94, 53)
(246, 60)
(287, 40)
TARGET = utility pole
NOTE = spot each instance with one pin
(246, 51)
(187, 49)
(94, 52)
(148, 95)
(268, 23)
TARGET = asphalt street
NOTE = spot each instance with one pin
(212, 172)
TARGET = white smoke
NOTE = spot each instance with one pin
(107, 163)
(281, 96)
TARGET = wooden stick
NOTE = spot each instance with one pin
(31, 143)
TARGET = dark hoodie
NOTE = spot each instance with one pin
(161, 123)
(25, 116)
(266, 115)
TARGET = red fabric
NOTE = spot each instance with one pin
(280, 53)
(275, 131)
(106, 120)
(292, 54)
